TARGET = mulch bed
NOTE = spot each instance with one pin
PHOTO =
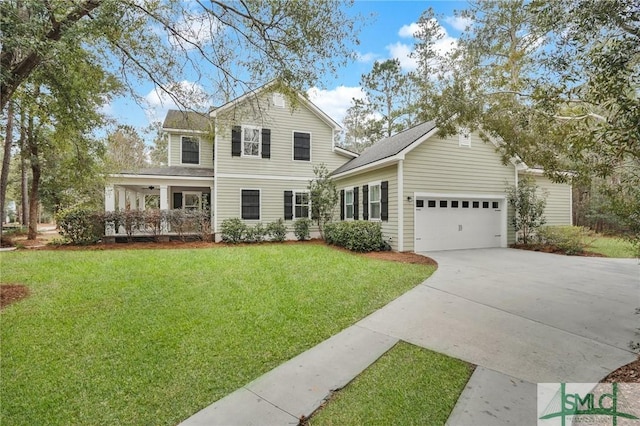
(11, 293)
(553, 249)
(629, 373)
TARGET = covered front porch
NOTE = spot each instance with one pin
(163, 189)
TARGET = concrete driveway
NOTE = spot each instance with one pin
(524, 318)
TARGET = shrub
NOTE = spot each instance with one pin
(277, 230)
(528, 207)
(360, 236)
(233, 230)
(302, 228)
(133, 220)
(255, 234)
(569, 239)
(80, 225)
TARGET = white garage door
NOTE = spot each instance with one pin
(457, 223)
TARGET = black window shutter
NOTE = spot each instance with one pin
(177, 200)
(288, 205)
(266, 143)
(384, 200)
(365, 202)
(342, 204)
(355, 203)
(236, 141)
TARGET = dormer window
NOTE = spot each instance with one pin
(190, 150)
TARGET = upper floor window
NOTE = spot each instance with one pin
(301, 205)
(250, 141)
(348, 204)
(301, 146)
(374, 201)
(190, 150)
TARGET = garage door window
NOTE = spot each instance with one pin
(431, 203)
(454, 204)
(443, 203)
(374, 202)
(496, 205)
(485, 204)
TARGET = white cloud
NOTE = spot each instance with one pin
(408, 31)
(402, 52)
(187, 93)
(194, 30)
(367, 57)
(458, 23)
(335, 102)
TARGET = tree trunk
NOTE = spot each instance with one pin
(6, 161)
(35, 182)
(24, 176)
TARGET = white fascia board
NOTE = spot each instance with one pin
(345, 152)
(368, 167)
(200, 132)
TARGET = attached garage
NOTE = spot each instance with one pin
(463, 221)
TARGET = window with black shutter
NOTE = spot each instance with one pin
(301, 204)
(384, 200)
(355, 203)
(190, 150)
(266, 143)
(288, 205)
(301, 146)
(177, 200)
(236, 141)
(251, 204)
(365, 202)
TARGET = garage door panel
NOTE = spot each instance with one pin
(457, 223)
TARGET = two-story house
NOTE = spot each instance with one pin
(251, 158)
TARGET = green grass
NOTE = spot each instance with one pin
(406, 386)
(152, 336)
(612, 247)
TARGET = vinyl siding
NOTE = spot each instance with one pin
(442, 166)
(282, 122)
(271, 198)
(390, 227)
(558, 209)
(175, 148)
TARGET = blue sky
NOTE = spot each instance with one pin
(386, 34)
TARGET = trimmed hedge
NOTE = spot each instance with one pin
(235, 231)
(302, 229)
(360, 236)
(80, 225)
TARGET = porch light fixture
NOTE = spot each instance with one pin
(409, 198)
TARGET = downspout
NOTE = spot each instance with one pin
(400, 205)
(214, 195)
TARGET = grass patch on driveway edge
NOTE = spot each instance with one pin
(408, 385)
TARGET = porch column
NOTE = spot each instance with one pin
(109, 206)
(164, 205)
(211, 209)
(122, 198)
(132, 198)
(142, 205)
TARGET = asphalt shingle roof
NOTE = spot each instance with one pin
(186, 120)
(388, 147)
(171, 171)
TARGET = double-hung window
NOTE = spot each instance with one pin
(190, 150)
(251, 141)
(374, 201)
(301, 146)
(348, 204)
(301, 205)
(251, 204)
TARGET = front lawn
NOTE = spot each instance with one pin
(407, 386)
(152, 336)
(611, 247)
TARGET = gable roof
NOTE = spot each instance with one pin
(253, 93)
(388, 147)
(186, 120)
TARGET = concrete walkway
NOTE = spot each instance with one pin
(522, 317)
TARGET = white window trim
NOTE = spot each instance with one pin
(260, 209)
(464, 138)
(352, 203)
(199, 150)
(303, 191)
(242, 154)
(184, 197)
(370, 184)
(293, 132)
